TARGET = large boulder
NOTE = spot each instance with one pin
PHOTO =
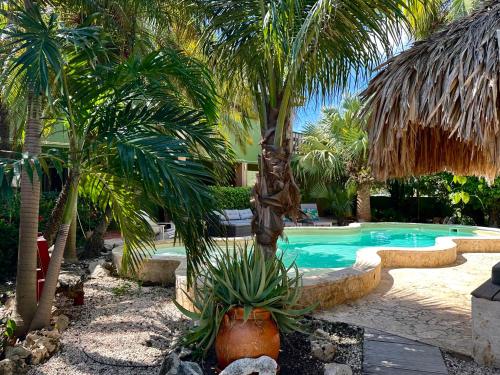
(263, 366)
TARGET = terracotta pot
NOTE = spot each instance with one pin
(238, 339)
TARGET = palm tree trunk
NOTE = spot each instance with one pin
(275, 193)
(363, 207)
(4, 131)
(70, 249)
(95, 243)
(28, 223)
(43, 312)
(57, 212)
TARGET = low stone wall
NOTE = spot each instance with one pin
(154, 270)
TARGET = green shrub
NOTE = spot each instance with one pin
(232, 198)
(9, 226)
(241, 277)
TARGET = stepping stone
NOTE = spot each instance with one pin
(387, 354)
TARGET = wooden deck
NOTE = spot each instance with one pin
(386, 354)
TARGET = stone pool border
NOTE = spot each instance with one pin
(332, 286)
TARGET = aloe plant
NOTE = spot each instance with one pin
(242, 277)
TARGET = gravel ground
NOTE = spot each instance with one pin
(126, 329)
(121, 329)
(462, 365)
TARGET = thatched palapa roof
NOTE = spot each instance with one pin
(436, 106)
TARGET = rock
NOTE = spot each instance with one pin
(8, 367)
(61, 322)
(323, 334)
(337, 369)
(263, 366)
(42, 344)
(189, 368)
(172, 365)
(16, 353)
(99, 272)
(185, 352)
(323, 350)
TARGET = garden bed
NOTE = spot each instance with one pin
(295, 354)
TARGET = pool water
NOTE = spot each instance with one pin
(333, 249)
(328, 250)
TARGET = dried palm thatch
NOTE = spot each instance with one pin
(436, 106)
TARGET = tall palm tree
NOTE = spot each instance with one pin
(334, 153)
(141, 136)
(285, 51)
(32, 55)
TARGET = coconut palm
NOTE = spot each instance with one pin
(285, 51)
(334, 152)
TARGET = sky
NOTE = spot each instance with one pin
(311, 111)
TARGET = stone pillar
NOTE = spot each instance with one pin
(486, 321)
(241, 174)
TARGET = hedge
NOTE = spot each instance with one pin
(231, 198)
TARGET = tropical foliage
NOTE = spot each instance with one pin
(140, 129)
(242, 277)
(283, 52)
(332, 160)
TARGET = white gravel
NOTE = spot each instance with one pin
(461, 365)
(121, 329)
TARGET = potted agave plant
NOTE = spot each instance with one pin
(242, 302)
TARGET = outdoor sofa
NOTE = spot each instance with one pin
(232, 223)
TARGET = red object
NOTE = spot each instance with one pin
(43, 267)
(78, 299)
(43, 264)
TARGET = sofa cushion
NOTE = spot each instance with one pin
(232, 214)
(312, 213)
(239, 223)
(220, 215)
(246, 214)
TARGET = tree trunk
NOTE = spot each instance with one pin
(70, 249)
(275, 193)
(57, 212)
(95, 243)
(43, 312)
(28, 223)
(363, 207)
(5, 145)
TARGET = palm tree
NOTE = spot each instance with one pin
(334, 155)
(427, 16)
(32, 55)
(283, 52)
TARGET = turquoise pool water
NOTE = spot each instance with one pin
(334, 249)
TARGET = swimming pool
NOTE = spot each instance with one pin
(337, 247)
(334, 249)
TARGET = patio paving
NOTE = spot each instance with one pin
(431, 305)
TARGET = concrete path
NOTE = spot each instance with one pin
(431, 305)
(386, 354)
